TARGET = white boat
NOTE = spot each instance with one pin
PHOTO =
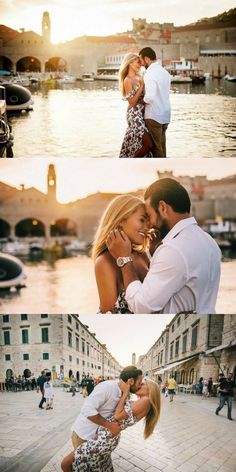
(180, 79)
(16, 248)
(21, 80)
(230, 78)
(75, 246)
(107, 77)
(87, 77)
(66, 79)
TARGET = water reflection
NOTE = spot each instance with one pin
(69, 285)
(89, 120)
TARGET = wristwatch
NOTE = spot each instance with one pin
(121, 261)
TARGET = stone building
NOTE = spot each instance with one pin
(59, 343)
(191, 347)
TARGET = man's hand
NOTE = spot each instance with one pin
(124, 386)
(114, 428)
(118, 244)
(153, 239)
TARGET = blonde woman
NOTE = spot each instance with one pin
(124, 212)
(137, 141)
(95, 454)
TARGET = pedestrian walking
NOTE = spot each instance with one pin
(73, 385)
(227, 390)
(171, 388)
(40, 383)
(48, 393)
(205, 393)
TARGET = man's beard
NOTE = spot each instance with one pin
(163, 229)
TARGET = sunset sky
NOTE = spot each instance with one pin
(95, 17)
(135, 335)
(77, 178)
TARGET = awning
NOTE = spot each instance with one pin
(221, 347)
(174, 364)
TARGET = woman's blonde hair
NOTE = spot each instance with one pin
(124, 68)
(152, 416)
(118, 210)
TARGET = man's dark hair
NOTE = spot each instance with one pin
(130, 372)
(148, 52)
(171, 192)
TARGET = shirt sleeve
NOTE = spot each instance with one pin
(95, 400)
(150, 89)
(166, 276)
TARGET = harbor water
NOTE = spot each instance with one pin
(89, 120)
(68, 286)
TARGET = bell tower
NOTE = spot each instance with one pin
(46, 27)
(52, 182)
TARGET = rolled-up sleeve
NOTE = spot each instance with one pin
(166, 276)
(94, 401)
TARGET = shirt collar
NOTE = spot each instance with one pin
(180, 226)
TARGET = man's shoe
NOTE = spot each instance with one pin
(216, 412)
(41, 407)
(230, 419)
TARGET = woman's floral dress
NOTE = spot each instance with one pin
(95, 454)
(136, 127)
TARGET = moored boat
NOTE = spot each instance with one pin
(11, 272)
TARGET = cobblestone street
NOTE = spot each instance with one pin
(189, 436)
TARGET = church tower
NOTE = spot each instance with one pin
(46, 27)
(52, 182)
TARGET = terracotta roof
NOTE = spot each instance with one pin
(7, 34)
(111, 39)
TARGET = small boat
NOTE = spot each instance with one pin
(21, 80)
(11, 272)
(67, 79)
(87, 77)
(112, 77)
(180, 79)
(18, 98)
(230, 78)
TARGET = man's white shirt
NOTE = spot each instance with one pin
(157, 89)
(103, 401)
(184, 274)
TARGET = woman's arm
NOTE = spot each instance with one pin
(120, 413)
(128, 87)
(106, 278)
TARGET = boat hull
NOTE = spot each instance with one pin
(11, 271)
(18, 98)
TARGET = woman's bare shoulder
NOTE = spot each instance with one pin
(143, 404)
(105, 261)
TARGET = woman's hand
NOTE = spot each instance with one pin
(125, 387)
(153, 240)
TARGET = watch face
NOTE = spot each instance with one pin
(120, 262)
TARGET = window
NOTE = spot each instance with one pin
(177, 347)
(24, 317)
(77, 360)
(45, 356)
(44, 315)
(25, 357)
(77, 344)
(5, 318)
(83, 346)
(25, 336)
(173, 327)
(171, 350)
(83, 362)
(77, 325)
(45, 338)
(7, 357)
(194, 336)
(70, 358)
(69, 319)
(178, 321)
(87, 349)
(69, 339)
(184, 342)
(7, 338)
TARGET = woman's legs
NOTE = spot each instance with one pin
(66, 464)
(147, 145)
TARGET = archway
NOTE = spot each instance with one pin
(30, 227)
(56, 64)
(70, 373)
(63, 227)
(5, 64)
(5, 229)
(28, 64)
(191, 376)
(77, 376)
(182, 377)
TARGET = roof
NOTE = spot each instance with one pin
(7, 34)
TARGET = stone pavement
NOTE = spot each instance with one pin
(189, 436)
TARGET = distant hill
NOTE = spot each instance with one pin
(225, 17)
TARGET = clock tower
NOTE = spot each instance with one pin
(46, 27)
(52, 182)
